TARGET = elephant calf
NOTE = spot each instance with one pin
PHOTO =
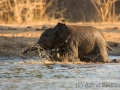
(83, 42)
(75, 42)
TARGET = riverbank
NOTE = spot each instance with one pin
(14, 38)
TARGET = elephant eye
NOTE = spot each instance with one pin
(46, 35)
(45, 40)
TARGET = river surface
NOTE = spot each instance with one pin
(30, 74)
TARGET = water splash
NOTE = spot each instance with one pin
(35, 74)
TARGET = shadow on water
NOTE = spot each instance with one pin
(31, 74)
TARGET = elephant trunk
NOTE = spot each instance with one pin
(32, 48)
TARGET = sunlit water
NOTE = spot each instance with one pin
(19, 74)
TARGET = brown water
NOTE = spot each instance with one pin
(32, 74)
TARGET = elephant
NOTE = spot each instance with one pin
(45, 42)
(85, 43)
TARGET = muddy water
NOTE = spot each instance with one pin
(32, 74)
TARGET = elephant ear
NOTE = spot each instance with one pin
(61, 34)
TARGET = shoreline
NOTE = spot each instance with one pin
(15, 39)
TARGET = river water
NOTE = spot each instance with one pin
(31, 74)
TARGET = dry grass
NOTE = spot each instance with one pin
(29, 11)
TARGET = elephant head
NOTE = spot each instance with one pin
(54, 37)
(47, 39)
